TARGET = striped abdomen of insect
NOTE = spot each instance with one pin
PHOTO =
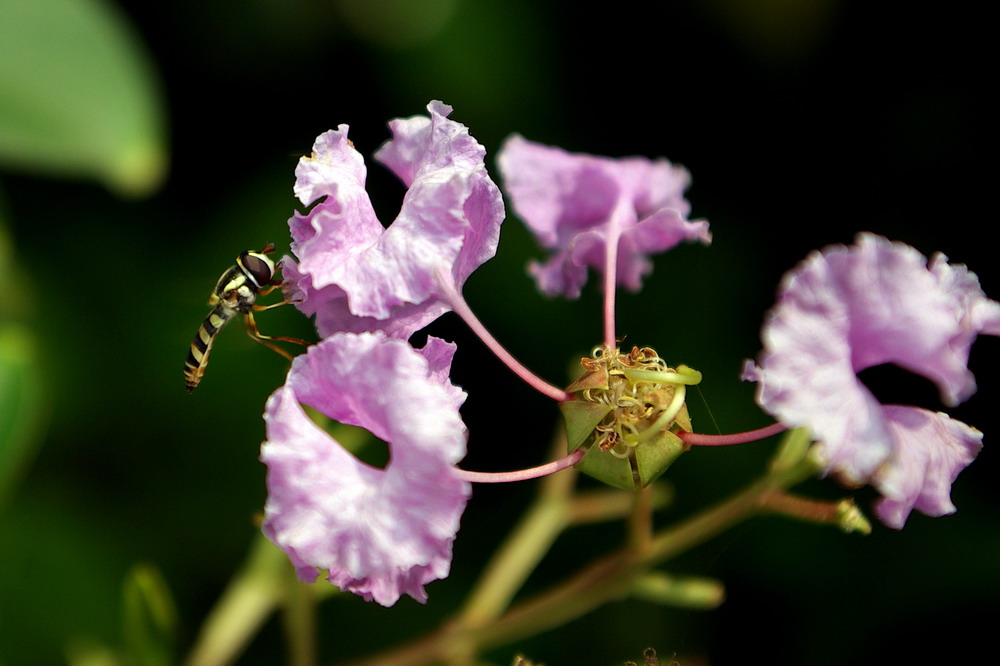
(197, 358)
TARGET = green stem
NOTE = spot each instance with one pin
(523, 548)
(255, 591)
(300, 624)
(608, 578)
(595, 506)
(640, 522)
(513, 563)
(612, 576)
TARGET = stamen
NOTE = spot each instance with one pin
(665, 418)
(621, 451)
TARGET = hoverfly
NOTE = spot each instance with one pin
(236, 292)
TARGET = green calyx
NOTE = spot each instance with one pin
(627, 409)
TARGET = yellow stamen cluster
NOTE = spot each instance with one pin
(644, 394)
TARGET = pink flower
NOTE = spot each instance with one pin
(379, 533)
(575, 204)
(355, 275)
(849, 308)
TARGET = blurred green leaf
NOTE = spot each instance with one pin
(87, 652)
(78, 95)
(398, 24)
(20, 384)
(150, 617)
(20, 403)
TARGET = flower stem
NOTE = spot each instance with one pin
(844, 513)
(803, 508)
(610, 281)
(462, 309)
(695, 439)
(522, 474)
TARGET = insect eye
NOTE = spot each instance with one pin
(260, 268)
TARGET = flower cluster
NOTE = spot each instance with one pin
(382, 533)
(379, 533)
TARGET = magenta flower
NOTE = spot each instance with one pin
(850, 308)
(355, 275)
(379, 533)
(576, 204)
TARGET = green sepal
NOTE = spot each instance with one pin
(655, 456)
(592, 379)
(605, 467)
(581, 419)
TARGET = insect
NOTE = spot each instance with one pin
(236, 292)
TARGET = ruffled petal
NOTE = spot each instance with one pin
(575, 203)
(931, 450)
(379, 533)
(350, 267)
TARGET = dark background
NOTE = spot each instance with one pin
(802, 123)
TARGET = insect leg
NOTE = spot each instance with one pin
(261, 308)
(264, 291)
(265, 340)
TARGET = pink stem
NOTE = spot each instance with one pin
(462, 309)
(523, 474)
(610, 283)
(695, 439)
